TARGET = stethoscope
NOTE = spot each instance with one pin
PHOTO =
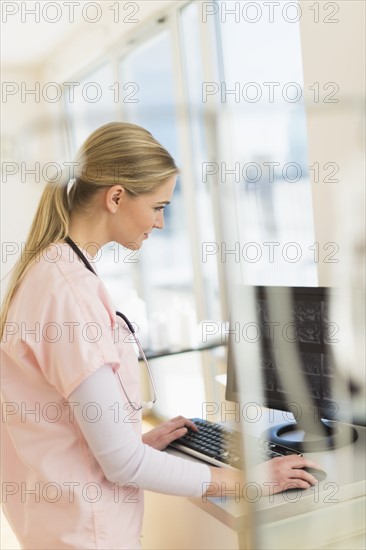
(145, 404)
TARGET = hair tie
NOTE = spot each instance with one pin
(70, 184)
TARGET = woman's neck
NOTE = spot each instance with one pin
(89, 235)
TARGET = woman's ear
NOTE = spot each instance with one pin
(113, 197)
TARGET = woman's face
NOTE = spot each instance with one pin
(136, 216)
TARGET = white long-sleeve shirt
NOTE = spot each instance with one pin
(120, 451)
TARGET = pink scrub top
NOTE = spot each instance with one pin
(61, 327)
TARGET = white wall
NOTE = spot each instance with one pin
(335, 52)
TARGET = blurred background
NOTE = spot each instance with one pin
(260, 103)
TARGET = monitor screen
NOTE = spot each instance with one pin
(296, 338)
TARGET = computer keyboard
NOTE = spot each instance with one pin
(220, 446)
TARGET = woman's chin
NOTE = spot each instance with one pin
(131, 245)
(136, 244)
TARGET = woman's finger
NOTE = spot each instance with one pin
(302, 474)
(180, 421)
(172, 436)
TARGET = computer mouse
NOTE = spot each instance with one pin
(318, 474)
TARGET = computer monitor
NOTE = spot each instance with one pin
(295, 338)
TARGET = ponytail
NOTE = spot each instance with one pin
(50, 224)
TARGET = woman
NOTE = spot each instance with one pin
(74, 462)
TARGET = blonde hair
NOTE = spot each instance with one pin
(116, 153)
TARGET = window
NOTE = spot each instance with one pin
(263, 149)
(90, 104)
(204, 194)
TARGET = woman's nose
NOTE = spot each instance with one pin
(159, 220)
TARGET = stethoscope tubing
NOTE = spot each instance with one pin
(87, 264)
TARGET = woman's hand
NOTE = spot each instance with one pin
(281, 473)
(167, 432)
(273, 476)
